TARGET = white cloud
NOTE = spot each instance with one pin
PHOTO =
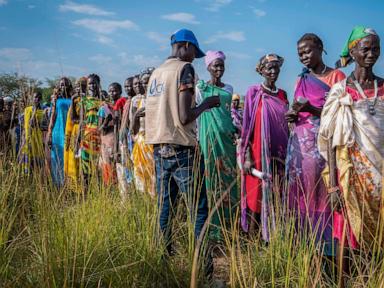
(161, 39)
(216, 5)
(20, 60)
(139, 61)
(105, 26)
(260, 50)
(40, 69)
(3, 2)
(259, 13)
(236, 36)
(157, 37)
(104, 40)
(83, 9)
(181, 17)
(99, 38)
(237, 55)
(110, 67)
(15, 54)
(31, 6)
(146, 61)
(100, 59)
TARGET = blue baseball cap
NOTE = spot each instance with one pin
(185, 35)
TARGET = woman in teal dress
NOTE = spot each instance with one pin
(217, 142)
(56, 130)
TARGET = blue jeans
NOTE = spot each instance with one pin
(177, 172)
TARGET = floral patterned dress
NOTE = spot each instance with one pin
(307, 193)
(358, 137)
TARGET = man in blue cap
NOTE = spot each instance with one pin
(170, 121)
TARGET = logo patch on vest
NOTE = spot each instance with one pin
(156, 89)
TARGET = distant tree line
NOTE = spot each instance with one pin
(21, 87)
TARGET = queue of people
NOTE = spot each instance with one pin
(172, 134)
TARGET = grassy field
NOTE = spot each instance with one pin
(55, 238)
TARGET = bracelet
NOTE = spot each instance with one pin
(333, 189)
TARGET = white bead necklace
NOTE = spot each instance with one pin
(270, 90)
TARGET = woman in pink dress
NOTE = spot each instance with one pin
(307, 194)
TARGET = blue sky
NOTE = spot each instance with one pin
(117, 38)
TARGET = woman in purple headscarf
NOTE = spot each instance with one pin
(307, 194)
(263, 147)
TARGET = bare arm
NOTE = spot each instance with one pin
(74, 116)
(248, 161)
(306, 107)
(334, 190)
(116, 128)
(79, 132)
(101, 123)
(314, 110)
(125, 121)
(52, 120)
(135, 124)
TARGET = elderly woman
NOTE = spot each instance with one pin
(307, 194)
(217, 142)
(142, 154)
(351, 138)
(263, 146)
(56, 129)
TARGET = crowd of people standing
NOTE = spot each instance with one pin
(174, 133)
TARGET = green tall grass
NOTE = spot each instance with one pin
(55, 238)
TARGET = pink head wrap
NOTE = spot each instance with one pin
(210, 56)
